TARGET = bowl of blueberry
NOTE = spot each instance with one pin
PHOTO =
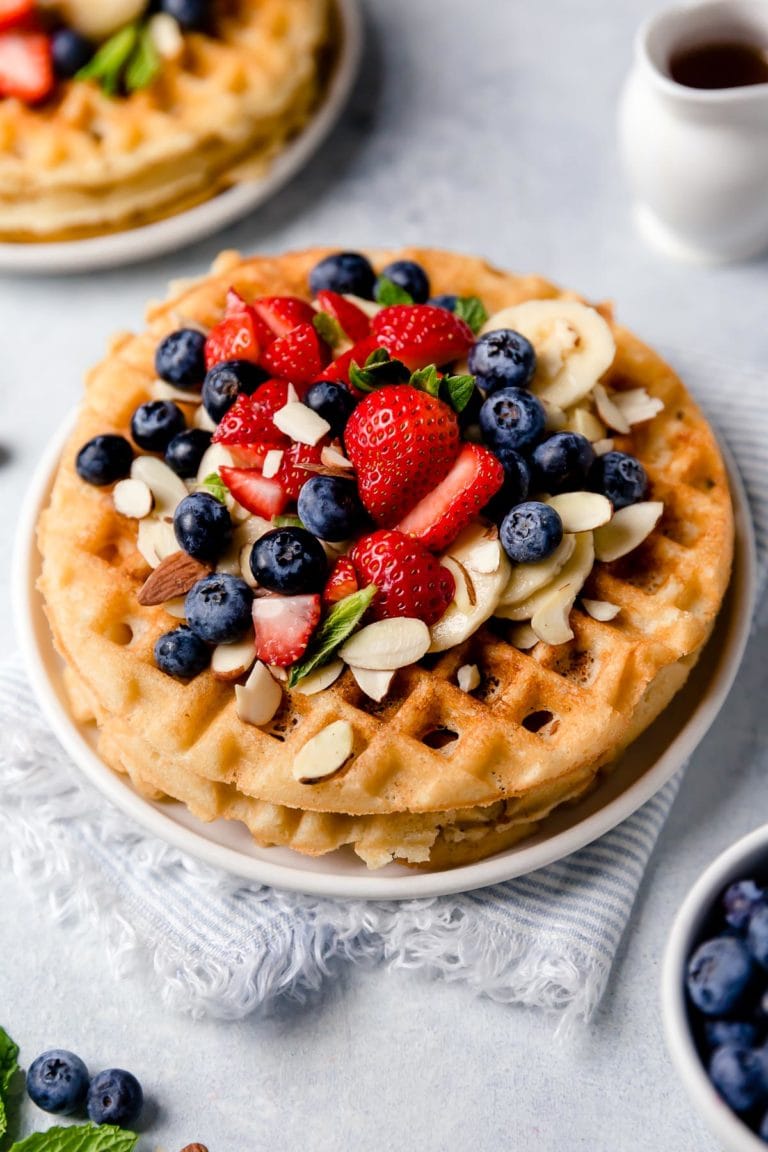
(715, 994)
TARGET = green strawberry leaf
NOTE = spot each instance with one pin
(340, 623)
(79, 1138)
(378, 370)
(387, 293)
(287, 522)
(215, 486)
(459, 389)
(144, 63)
(471, 310)
(9, 1052)
(426, 380)
(328, 329)
(107, 65)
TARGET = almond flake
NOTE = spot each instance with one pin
(166, 487)
(374, 682)
(320, 679)
(522, 636)
(166, 36)
(387, 644)
(272, 462)
(177, 607)
(132, 498)
(636, 406)
(485, 558)
(259, 698)
(600, 447)
(608, 411)
(213, 459)
(325, 753)
(301, 423)
(601, 610)
(173, 576)
(162, 390)
(468, 677)
(291, 395)
(555, 419)
(332, 458)
(155, 540)
(201, 419)
(581, 511)
(628, 528)
(231, 661)
(584, 422)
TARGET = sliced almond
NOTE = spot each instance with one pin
(468, 677)
(465, 594)
(325, 753)
(573, 573)
(259, 698)
(581, 511)
(291, 395)
(173, 576)
(601, 610)
(166, 487)
(584, 422)
(301, 423)
(231, 661)
(555, 418)
(279, 673)
(162, 390)
(272, 462)
(320, 679)
(214, 458)
(201, 419)
(485, 558)
(387, 644)
(332, 458)
(522, 636)
(166, 36)
(177, 607)
(246, 571)
(375, 683)
(600, 447)
(637, 406)
(551, 622)
(370, 307)
(132, 498)
(628, 528)
(609, 412)
(529, 578)
(155, 540)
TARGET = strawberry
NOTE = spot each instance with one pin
(300, 355)
(353, 320)
(13, 12)
(233, 338)
(282, 313)
(249, 420)
(420, 334)
(402, 443)
(339, 369)
(236, 304)
(341, 582)
(283, 626)
(291, 476)
(409, 580)
(26, 66)
(437, 519)
(260, 496)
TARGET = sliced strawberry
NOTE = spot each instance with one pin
(283, 626)
(233, 338)
(300, 355)
(237, 304)
(291, 476)
(339, 369)
(282, 313)
(14, 12)
(402, 443)
(353, 320)
(341, 582)
(438, 518)
(250, 455)
(260, 496)
(26, 66)
(249, 420)
(409, 580)
(420, 334)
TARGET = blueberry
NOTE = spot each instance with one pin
(620, 477)
(517, 480)
(115, 1097)
(202, 526)
(70, 52)
(739, 1075)
(180, 358)
(719, 973)
(562, 462)
(737, 1033)
(757, 935)
(513, 419)
(181, 653)
(445, 300)
(409, 276)
(57, 1082)
(186, 450)
(502, 359)
(739, 901)
(218, 608)
(191, 14)
(289, 560)
(226, 381)
(330, 507)
(154, 424)
(531, 532)
(333, 402)
(104, 459)
(345, 272)
(762, 1131)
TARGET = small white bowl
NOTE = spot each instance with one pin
(740, 861)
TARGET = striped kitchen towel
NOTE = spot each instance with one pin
(215, 944)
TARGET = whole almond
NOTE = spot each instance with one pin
(173, 576)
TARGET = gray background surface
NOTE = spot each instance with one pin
(487, 127)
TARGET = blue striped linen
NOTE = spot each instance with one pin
(216, 945)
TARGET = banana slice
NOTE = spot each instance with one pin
(528, 578)
(572, 575)
(477, 591)
(574, 346)
(99, 20)
(552, 620)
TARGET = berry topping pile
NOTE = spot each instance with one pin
(371, 472)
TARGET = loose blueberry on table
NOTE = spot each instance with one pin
(330, 457)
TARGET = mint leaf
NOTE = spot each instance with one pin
(144, 63)
(287, 522)
(387, 292)
(328, 328)
(79, 1138)
(426, 380)
(459, 389)
(9, 1052)
(378, 371)
(215, 486)
(471, 310)
(108, 63)
(340, 623)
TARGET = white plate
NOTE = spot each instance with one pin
(643, 769)
(150, 240)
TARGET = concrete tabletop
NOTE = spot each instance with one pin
(487, 127)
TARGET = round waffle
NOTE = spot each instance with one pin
(83, 164)
(533, 734)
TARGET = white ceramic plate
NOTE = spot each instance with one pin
(643, 769)
(150, 240)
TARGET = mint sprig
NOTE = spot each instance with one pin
(472, 311)
(128, 59)
(328, 328)
(9, 1052)
(459, 389)
(377, 371)
(380, 370)
(287, 521)
(144, 64)
(215, 486)
(388, 293)
(79, 1138)
(340, 623)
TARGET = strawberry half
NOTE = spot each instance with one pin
(237, 304)
(291, 476)
(14, 12)
(260, 496)
(26, 66)
(402, 443)
(300, 355)
(410, 581)
(283, 626)
(233, 338)
(354, 322)
(282, 313)
(339, 369)
(420, 334)
(437, 519)
(341, 582)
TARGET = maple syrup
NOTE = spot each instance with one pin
(720, 65)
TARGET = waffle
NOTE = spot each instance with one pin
(84, 164)
(535, 732)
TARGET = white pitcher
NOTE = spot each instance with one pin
(697, 159)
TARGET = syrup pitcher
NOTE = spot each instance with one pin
(693, 125)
